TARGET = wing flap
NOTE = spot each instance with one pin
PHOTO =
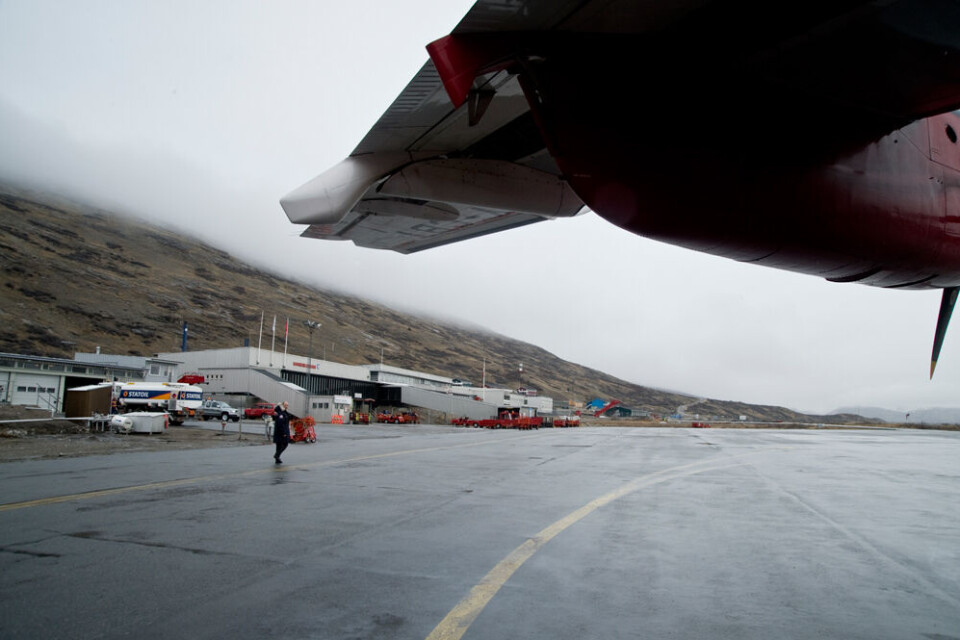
(426, 203)
(409, 235)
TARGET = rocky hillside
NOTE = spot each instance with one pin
(75, 278)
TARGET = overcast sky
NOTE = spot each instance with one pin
(201, 115)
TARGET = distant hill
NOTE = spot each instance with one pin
(76, 278)
(940, 415)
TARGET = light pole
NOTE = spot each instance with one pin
(310, 325)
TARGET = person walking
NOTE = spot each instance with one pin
(281, 429)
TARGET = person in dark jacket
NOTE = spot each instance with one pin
(281, 429)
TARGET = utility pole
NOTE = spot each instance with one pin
(310, 325)
(483, 379)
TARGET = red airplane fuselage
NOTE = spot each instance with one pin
(736, 157)
(754, 172)
(885, 214)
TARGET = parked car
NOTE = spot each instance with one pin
(216, 409)
(259, 410)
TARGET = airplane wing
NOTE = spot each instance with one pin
(461, 154)
(429, 174)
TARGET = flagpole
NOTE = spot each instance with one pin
(273, 341)
(260, 339)
(286, 338)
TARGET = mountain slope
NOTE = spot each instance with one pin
(77, 278)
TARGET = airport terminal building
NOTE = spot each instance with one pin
(244, 376)
(324, 389)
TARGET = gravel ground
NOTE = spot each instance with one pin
(61, 438)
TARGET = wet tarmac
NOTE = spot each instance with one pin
(428, 531)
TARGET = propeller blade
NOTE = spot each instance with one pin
(946, 309)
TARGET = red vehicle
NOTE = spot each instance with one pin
(700, 425)
(505, 421)
(407, 417)
(258, 410)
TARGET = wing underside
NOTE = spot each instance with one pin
(409, 234)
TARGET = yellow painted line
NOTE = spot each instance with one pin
(26, 504)
(92, 494)
(456, 623)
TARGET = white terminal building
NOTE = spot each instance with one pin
(323, 389)
(245, 375)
